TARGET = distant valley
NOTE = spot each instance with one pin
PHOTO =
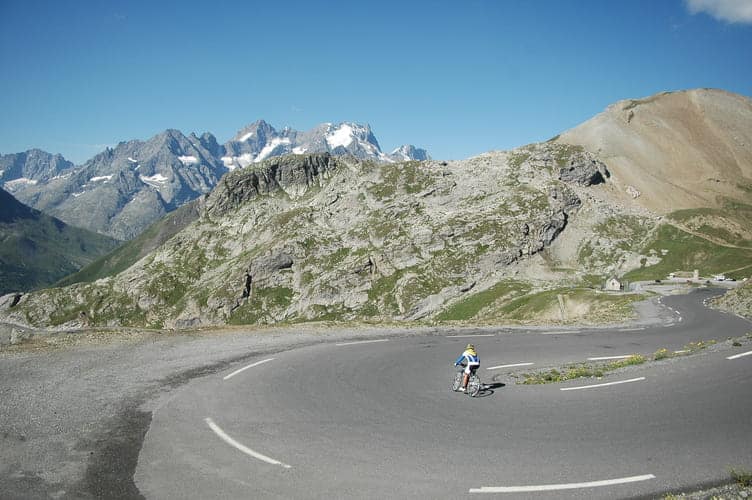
(37, 250)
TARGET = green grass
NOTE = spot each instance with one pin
(598, 370)
(517, 158)
(715, 223)
(261, 305)
(686, 252)
(469, 307)
(580, 370)
(583, 304)
(410, 177)
(742, 477)
(563, 152)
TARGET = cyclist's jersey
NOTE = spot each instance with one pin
(470, 357)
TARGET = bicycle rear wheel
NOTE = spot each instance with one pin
(473, 386)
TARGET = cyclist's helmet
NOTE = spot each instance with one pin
(470, 347)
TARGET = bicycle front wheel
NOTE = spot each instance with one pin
(457, 381)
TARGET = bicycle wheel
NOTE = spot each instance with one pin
(473, 386)
(457, 381)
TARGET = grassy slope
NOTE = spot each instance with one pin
(130, 252)
(36, 250)
(682, 251)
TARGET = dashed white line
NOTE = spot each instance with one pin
(557, 332)
(565, 486)
(471, 335)
(603, 358)
(227, 439)
(361, 342)
(246, 367)
(602, 385)
(508, 366)
(737, 356)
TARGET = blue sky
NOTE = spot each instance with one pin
(456, 77)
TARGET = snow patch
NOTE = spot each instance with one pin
(76, 195)
(101, 178)
(246, 137)
(18, 182)
(132, 160)
(343, 136)
(188, 160)
(269, 148)
(244, 160)
(299, 150)
(229, 162)
(157, 180)
(2, 172)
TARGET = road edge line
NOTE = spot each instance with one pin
(227, 439)
(563, 486)
(638, 379)
(246, 367)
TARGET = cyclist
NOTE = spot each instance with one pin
(471, 362)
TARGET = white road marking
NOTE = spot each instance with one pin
(565, 486)
(246, 367)
(603, 358)
(602, 385)
(557, 332)
(737, 356)
(631, 329)
(227, 439)
(682, 351)
(472, 335)
(508, 366)
(362, 342)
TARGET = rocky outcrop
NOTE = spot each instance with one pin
(737, 301)
(583, 169)
(292, 174)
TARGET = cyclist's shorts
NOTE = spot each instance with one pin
(471, 368)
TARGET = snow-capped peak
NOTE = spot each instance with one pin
(260, 141)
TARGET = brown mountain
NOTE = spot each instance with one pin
(674, 150)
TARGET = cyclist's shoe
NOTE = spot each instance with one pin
(461, 389)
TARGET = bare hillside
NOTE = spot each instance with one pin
(674, 150)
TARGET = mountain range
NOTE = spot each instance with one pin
(523, 235)
(122, 190)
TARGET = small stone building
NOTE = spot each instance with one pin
(613, 284)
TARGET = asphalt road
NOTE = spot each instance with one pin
(377, 419)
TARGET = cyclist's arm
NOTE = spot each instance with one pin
(460, 359)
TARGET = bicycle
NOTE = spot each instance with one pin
(473, 384)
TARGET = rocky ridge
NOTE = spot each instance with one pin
(302, 238)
